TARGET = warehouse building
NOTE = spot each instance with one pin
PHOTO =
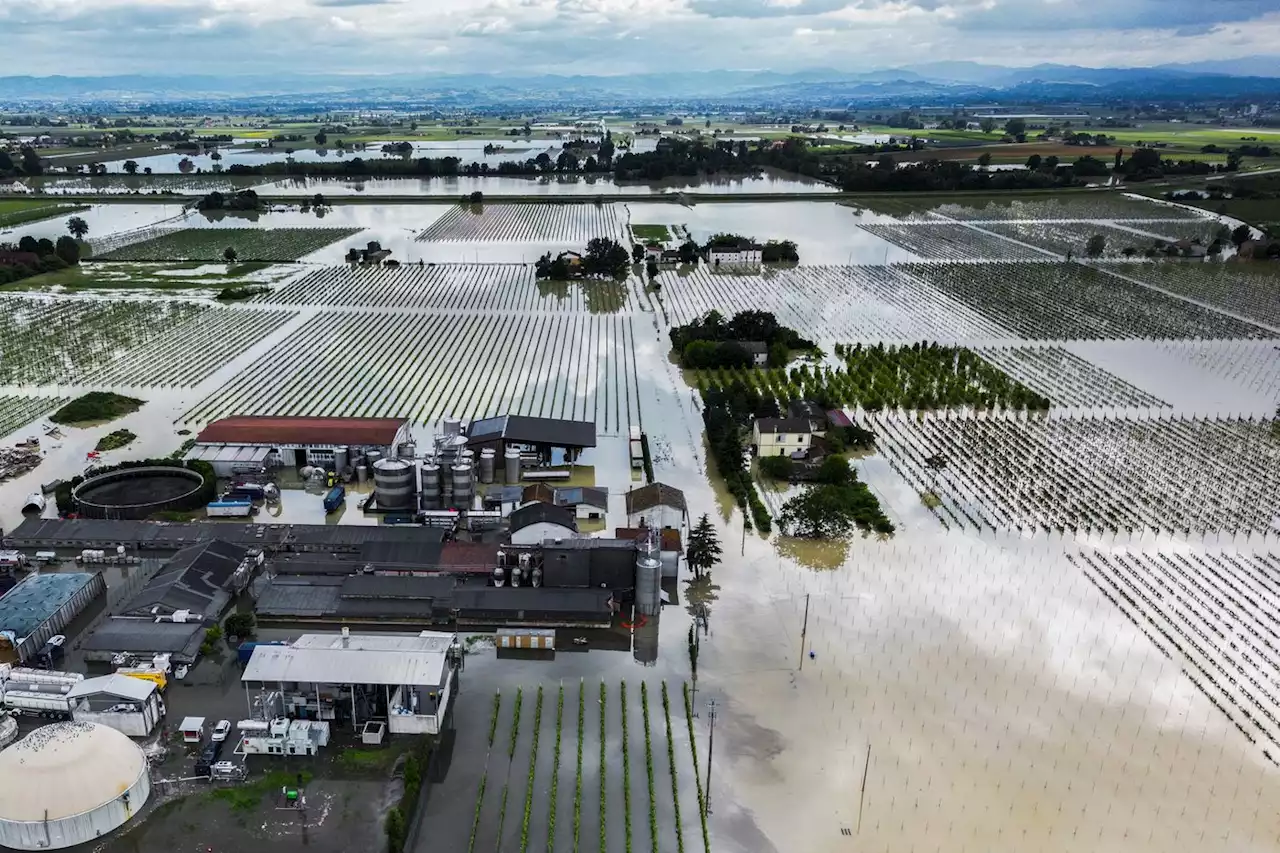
(198, 581)
(539, 436)
(534, 523)
(68, 784)
(144, 638)
(41, 605)
(131, 706)
(348, 679)
(231, 444)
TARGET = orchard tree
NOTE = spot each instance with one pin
(1096, 246)
(130, 166)
(77, 227)
(229, 255)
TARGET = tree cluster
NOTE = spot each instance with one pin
(27, 164)
(603, 258)
(725, 423)
(30, 256)
(834, 506)
(241, 200)
(711, 340)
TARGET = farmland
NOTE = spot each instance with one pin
(1067, 379)
(15, 212)
(1250, 290)
(208, 244)
(565, 223)
(457, 287)
(17, 412)
(1092, 474)
(1063, 237)
(1092, 206)
(951, 241)
(425, 366)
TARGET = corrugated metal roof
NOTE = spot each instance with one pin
(35, 598)
(257, 429)
(424, 641)
(523, 429)
(539, 511)
(197, 578)
(122, 686)
(654, 494)
(345, 666)
(117, 634)
(670, 538)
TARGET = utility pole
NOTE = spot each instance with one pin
(711, 745)
(804, 630)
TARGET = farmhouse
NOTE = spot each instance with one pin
(758, 350)
(586, 503)
(656, 505)
(235, 441)
(781, 436)
(743, 252)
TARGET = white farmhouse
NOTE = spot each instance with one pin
(741, 253)
(781, 436)
(656, 505)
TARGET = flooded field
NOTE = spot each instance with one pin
(1073, 650)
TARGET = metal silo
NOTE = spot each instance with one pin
(648, 574)
(393, 482)
(486, 465)
(341, 460)
(462, 486)
(511, 462)
(430, 482)
(452, 427)
(644, 642)
(408, 450)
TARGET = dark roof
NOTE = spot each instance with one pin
(260, 429)
(575, 495)
(538, 492)
(423, 553)
(589, 543)
(539, 511)
(654, 494)
(783, 425)
(543, 600)
(37, 597)
(670, 537)
(118, 634)
(522, 429)
(838, 418)
(754, 347)
(402, 587)
(197, 578)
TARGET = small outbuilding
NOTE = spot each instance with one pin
(535, 523)
(586, 503)
(656, 505)
(131, 706)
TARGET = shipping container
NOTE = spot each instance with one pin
(332, 501)
(229, 509)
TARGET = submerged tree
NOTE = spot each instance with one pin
(77, 227)
(703, 553)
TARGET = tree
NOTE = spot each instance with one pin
(229, 255)
(775, 467)
(637, 253)
(988, 125)
(77, 227)
(688, 252)
(1096, 245)
(703, 550)
(6, 163)
(321, 138)
(651, 269)
(31, 164)
(1241, 235)
(130, 166)
(67, 249)
(44, 247)
(779, 354)
(240, 625)
(985, 160)
(1034, 161)
(1016, 127)
(29, 245)
(215, 156)
(606, 257)
(318, 201)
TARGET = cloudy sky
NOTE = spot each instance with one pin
(42, 37)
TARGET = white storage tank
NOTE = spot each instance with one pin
(487, 457)
(511, 462)
(394, 482)
(68, 784)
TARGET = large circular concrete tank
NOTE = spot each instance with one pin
(68, 784)
(462, 488)
(393, 482)
(511, 464)
(486, 465)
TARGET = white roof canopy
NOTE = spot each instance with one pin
(120, 686)
(322, 659)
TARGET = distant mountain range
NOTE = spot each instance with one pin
(948, 81)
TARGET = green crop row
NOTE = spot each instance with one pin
(533, 765)
(648, 768)
(697, 777)
(671, 765)
(555, 776)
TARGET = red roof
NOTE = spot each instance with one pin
(670, 538)
(254, 429)
(476, 557)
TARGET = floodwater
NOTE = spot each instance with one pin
(965, 692)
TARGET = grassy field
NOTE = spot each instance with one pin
(186, 275)
(250, 244)
(15, 211)
(650, 232)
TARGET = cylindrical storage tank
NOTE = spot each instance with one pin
(452, 426)
(644, 642)
(341, 460)
(78, 781)
(468, 456)
(462, 488)
(362, 474)
(430, 481)
(408, 450)
(372, 457)
(394, 483)
(487, 458)
(511, 462)
(648, 584)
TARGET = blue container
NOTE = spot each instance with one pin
(337, 495)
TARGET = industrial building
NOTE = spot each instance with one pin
(533, 524)
(538, 435)
(231, 444)
(41, 605)
(69, 783)
(348, 679)
(670, 548)
(144, 638)
(198, 581)
(131, 706)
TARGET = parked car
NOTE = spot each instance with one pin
(221, 730)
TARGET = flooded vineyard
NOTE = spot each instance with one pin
(575, 223)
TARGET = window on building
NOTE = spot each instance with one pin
(782, 438)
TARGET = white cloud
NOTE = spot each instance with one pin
(341, 24)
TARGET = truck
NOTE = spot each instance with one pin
(47, 705)
(335, 498)
(636, 443)
(230, 508)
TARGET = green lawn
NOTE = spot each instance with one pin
(645, 233)
(18, 211)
